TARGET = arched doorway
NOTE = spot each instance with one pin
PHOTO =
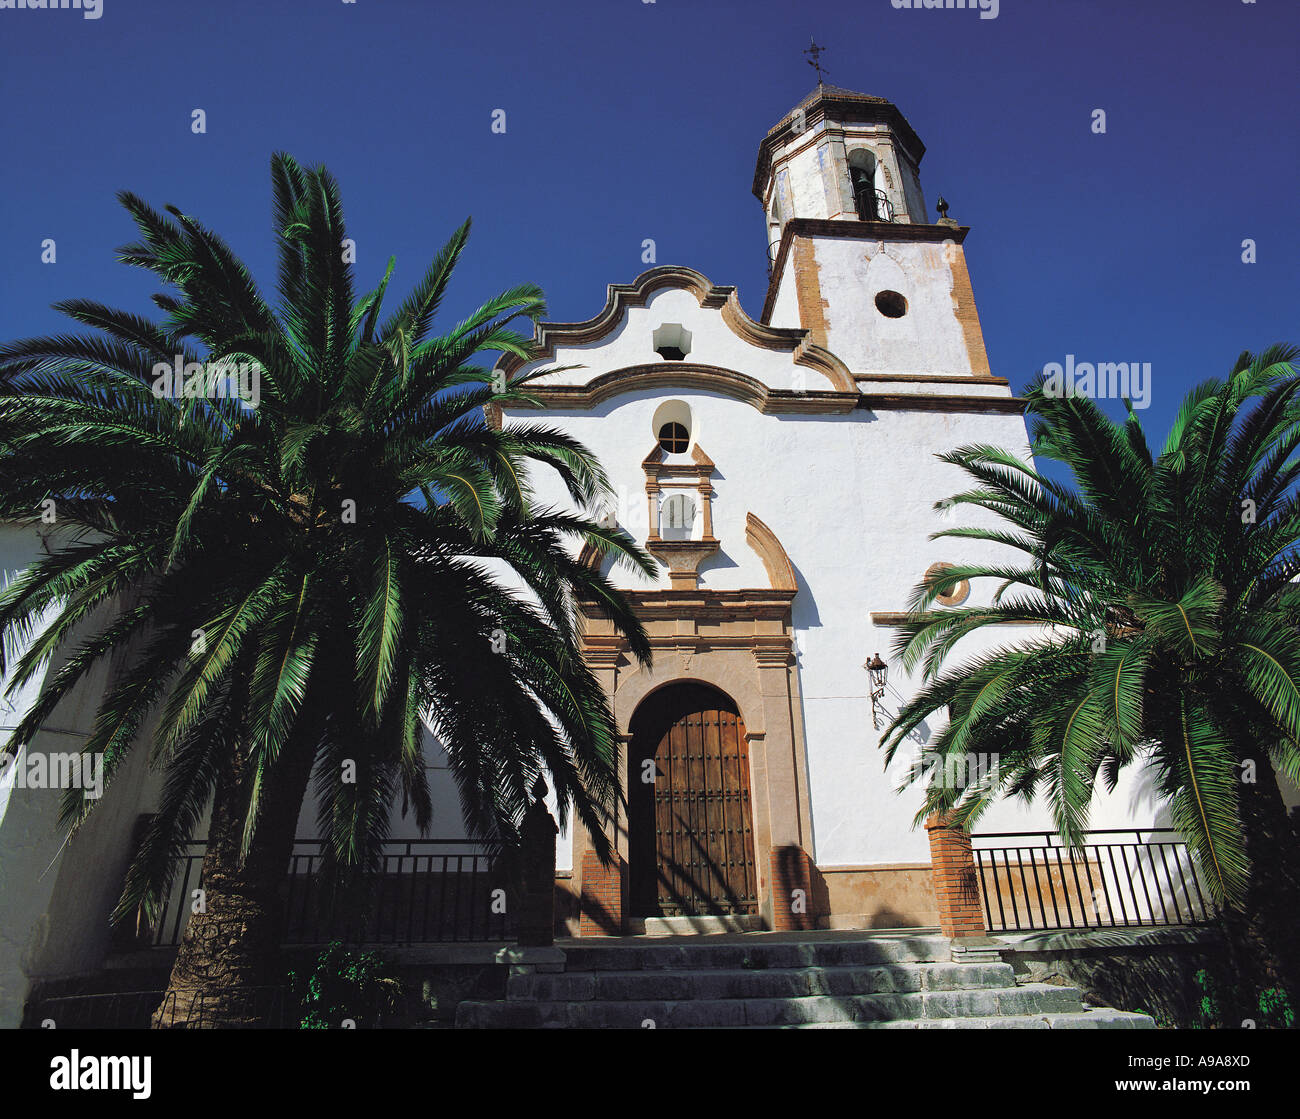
(690, 821)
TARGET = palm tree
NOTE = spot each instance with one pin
(297, 582)
(1164, 583)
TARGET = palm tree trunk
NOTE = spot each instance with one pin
(1262, 935)
(225, 972)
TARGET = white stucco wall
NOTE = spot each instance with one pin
(928, 339)
(785, 308)
(54, 897)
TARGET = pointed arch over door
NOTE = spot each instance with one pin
(690, 818)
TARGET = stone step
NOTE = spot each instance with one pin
(694, 926)
(699, 983)
(1029, 1000)
(626, 955)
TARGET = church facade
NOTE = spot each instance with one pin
(783, 471)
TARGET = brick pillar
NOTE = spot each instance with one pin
(956, 884)
(792, 895)
(603, 891)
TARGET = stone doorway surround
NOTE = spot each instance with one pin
(740, 642)
(691, 851)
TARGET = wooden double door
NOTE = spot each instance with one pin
(690, 821)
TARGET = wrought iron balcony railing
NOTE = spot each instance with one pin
(874, 206)
(884, 208)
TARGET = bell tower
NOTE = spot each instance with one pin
(854, 258)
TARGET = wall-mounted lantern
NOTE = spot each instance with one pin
(878, 673)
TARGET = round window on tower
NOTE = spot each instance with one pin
(891, 304)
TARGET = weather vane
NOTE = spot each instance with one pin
(815, 61)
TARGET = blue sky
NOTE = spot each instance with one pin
(629, 120)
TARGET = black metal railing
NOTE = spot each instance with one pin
(1118, 878)
(873, 205)
(425, 891)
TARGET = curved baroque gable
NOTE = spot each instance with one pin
(683, 374)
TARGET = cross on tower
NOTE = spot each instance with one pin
(815, 61)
